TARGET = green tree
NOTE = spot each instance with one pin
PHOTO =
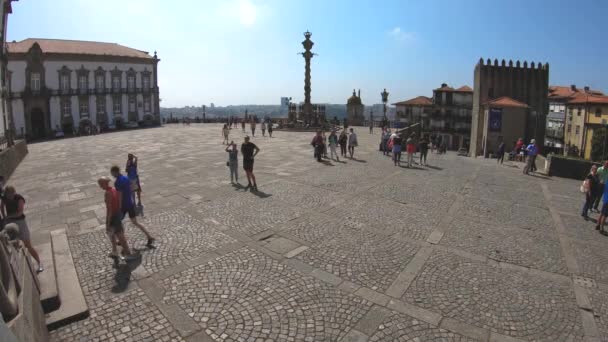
(599, 148)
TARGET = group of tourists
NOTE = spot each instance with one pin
(595, 190)
(392, 144)
(264, 126)
(320, 142)
(120, 202)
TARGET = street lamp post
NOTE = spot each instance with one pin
(384, 95)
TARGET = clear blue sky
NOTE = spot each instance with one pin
(245, 51)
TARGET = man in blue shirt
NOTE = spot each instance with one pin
(123, 186)
(604, 212)
(532, 152)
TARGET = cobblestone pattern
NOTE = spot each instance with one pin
(302, 196)
(388, 217)
(599, 302)
(501, 193)
(402, 328)
(578, 228)
(126, 317)
(509, 214)
(415, 194)
(516, 246)
(362, 257)
(180, 237)
(248, 214)
(505, 301)
(247, 296)
(592, 260)
(317, 227)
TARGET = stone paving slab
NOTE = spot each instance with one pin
(357, 250)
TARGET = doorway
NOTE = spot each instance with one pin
(38, 130)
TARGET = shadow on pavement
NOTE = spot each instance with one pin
(123, 272)
(261, 194)
(413, 168)
(539, 176)
(326, 163)
(358, 160)
(435, 167)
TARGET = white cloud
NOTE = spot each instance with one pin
(401, 35)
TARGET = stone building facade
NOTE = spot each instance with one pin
(447, 114)
(528, 84)
(68, 85)
(585, 114)
(355, 110)
(5, 118)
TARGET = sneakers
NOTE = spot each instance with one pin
(40, 268)
(150, 243)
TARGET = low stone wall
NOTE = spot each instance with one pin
(11, 157)
(569, 168)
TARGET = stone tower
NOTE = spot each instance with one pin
(525, 83)
(307, 54)
(354, 109)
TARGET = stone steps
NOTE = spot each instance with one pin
(61, 296)
(49, 297)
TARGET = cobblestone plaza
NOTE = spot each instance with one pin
(359, 250)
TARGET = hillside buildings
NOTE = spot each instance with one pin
(71, 86)
(586, 112)
(446, 115)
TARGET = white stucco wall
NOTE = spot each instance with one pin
(52, 72)
(55, 105)
(18, 75)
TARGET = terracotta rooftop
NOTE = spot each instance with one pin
(464, 89)
(588, 98)
(561, 91)
(505, 101)
(416, 101)
(78, 47)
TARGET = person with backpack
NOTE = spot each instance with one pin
(317, 144)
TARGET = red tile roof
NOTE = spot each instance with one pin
(505, 101)
(588, 98)
(78, 47)
(416, 101)
(444, 88)
(464, 89)
(561, 91)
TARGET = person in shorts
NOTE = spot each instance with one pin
(13, 206)
(123, 187)
(131, 169)
(249, 151)
(114, 227)
(352, 143)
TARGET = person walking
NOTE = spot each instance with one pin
(233, 162)
(342, 140)
(253, 124)
(590, 185)
(123, 187)
(333, 143)
(410, 149)
(602, 174)
(604, 212)
(13, 207)
(532, 151)
(133, 176)
(423, 146)
(352, 143)
(397, 142)
(249, 151)
(317, 144)
(243, 125)
(270, 129)
(386, 135)
(225, 133)
(263, 128)
(114, 228)
(371, 126)
(501, 153)
(324, 145)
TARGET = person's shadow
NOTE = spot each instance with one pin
(261, 194)
(123, 272)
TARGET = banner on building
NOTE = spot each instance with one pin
(495, 124)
